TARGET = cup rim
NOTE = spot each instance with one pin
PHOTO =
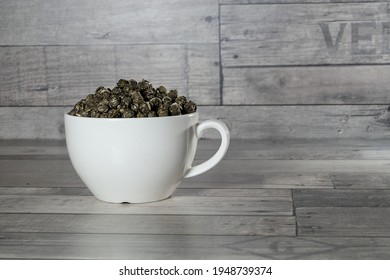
(66, 115)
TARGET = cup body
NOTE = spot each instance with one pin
(131, 160)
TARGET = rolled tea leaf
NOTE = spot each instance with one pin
(129, 99)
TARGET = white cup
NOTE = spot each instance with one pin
(138, 160)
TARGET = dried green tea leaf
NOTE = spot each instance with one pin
(152, 114)
(172, 94)
(181, 100)
(129, 99)
(122, 83)
(155, 102)
(144, 108)
(175, 109)
(114, 101)
(189, 107)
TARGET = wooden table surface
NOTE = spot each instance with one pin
(327, 199)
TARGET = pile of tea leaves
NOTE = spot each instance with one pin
(132, 99)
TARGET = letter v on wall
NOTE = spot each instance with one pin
(332, 47)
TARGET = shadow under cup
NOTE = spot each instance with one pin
(138, 160)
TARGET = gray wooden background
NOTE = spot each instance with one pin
(272, 69)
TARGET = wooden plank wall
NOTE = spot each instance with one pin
(272, 69)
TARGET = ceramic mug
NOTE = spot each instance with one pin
(138, 160)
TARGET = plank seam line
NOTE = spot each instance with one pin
(138, 234)
(306, 65)
(254, 237)
(301, 105)
(294, 213)
(70, 106)
(350, 236)
(331, 180)
(150, 234)
(220, 57)
(224, 105)
(147, 214)
(110, 45)
(304, 3)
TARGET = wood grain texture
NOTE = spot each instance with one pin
(361, 181)
(342, 149)
(184, 205)
(304, 34)
(341, 198)
(55, 180)
(270, 194)
(237, 2)
(261, 179)
(264, 194)
(227, 213)
(148, 224)
(245, 122)
(62, 75)
(226, 171)
(125, 246)
(343, 221)
(297, 122)
(243, 180)
(307, 85)
(32, 122)
(291, 149)
(202, 62)
(220, 173)
(43, 143)
(32, 150)
(185, 189)
(45, 191)
(102, 22)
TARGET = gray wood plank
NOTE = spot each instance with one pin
(307, 85)
(340, 149)
(237, 2)
(258, 122)
(32, 122)
(182, 205)
(185, 189)
(295, 149)
(280, 180)
(242, 181)
(327, 149)
(45, 179)
(44, 191)
(125, 246)
(270, 194)
(261, 179)
(246, 168)
(62, 189)
(21, 143)
(34, 157)
(62, 75)
(297, 122)
(100, 22)
(236, 181)
(304, 34)
(35, 166)
(250, 170)
(361, 181)
(203, 79)
(343, 221)
(341, 198)
(33, 149)
(148, 224)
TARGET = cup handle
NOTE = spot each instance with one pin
(225, 135)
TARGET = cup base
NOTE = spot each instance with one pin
(130, 201)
